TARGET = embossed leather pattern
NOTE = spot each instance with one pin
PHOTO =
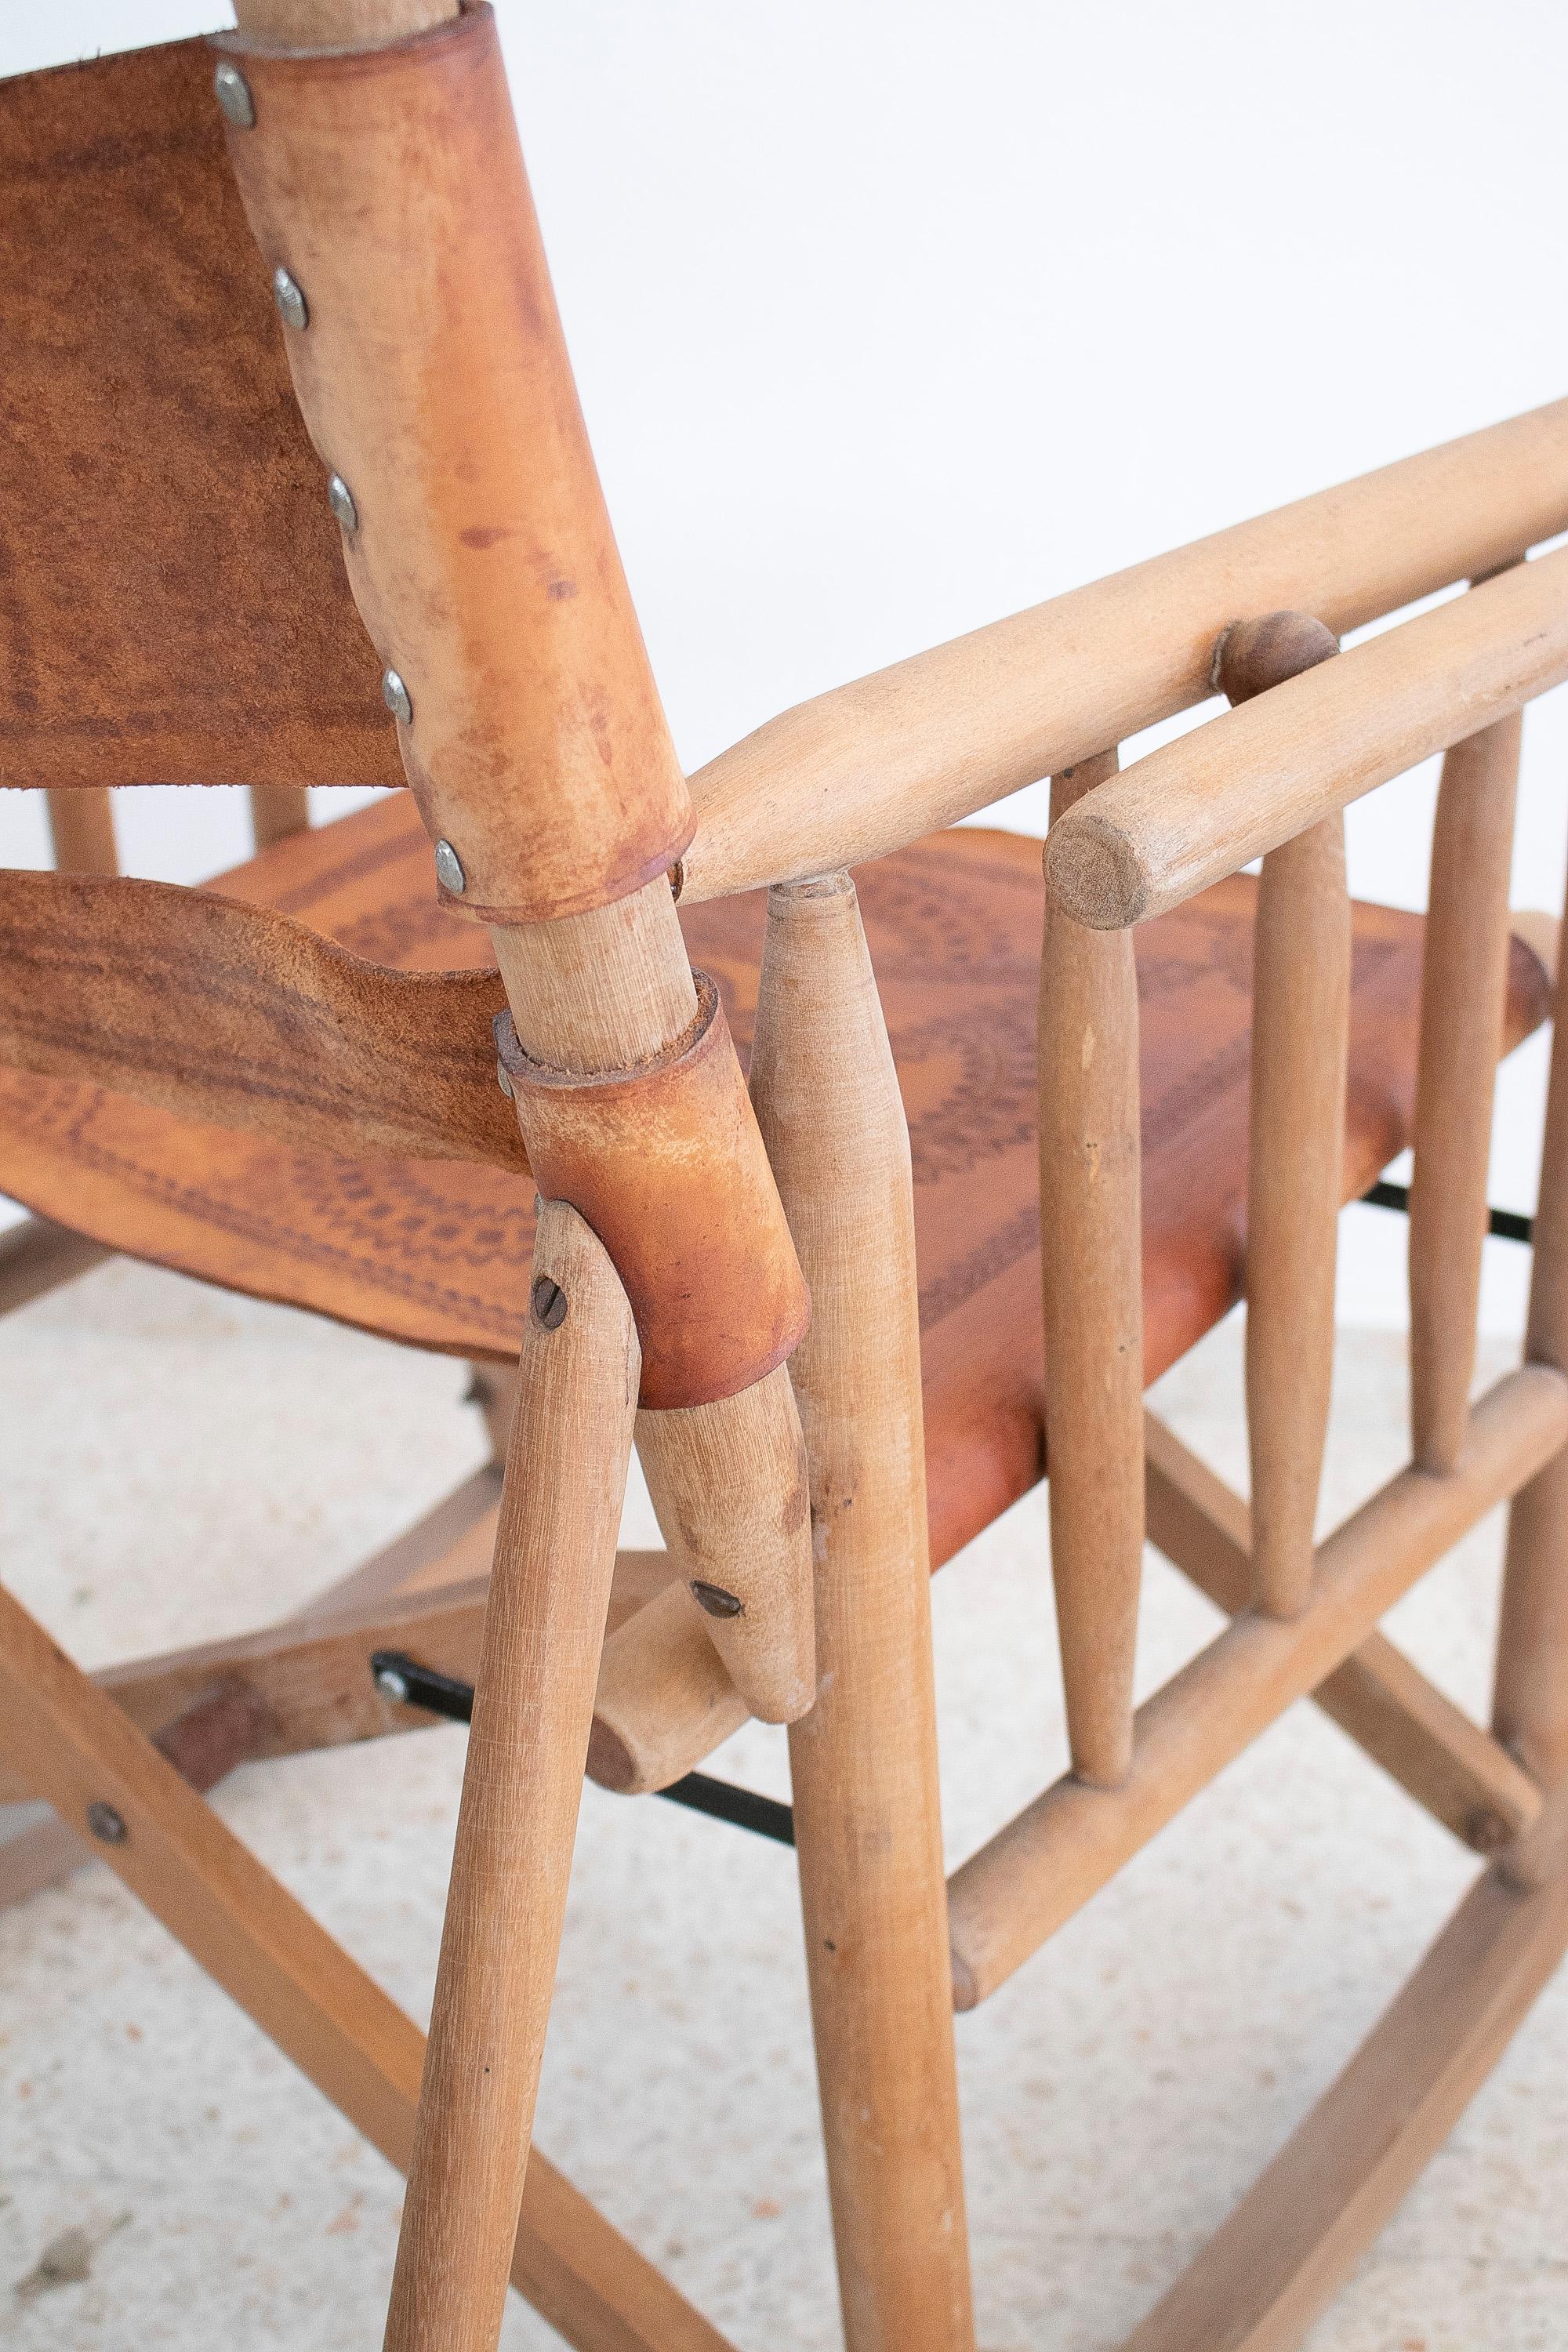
(437, 1252)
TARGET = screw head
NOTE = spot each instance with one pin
(233, 93)
(399, 701)
(450, 870)
(340, 500)
(106, 1824)
(391, 1684)
(549, 1303)
(715, 1600)
(292, 307)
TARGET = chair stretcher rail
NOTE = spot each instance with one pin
(1043, 1865)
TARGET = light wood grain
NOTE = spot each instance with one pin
(1464, 994)
(1300, 2229)
(309, 1681)
(1530, 1710)
(301, 1988)
(1383, 1702)
(1203, 807)
(1044, 1864)
(728, 1483)
(534, 1700)
(81, 830)
(1301, 1016)
(333, 24)
(1092, 1275)
(863, 1762)
(862, 770)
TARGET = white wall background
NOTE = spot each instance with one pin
(891, 318)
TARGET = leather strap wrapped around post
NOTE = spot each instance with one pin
(386, 191)
(667, 1165)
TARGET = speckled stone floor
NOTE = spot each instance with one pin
(178, 1465)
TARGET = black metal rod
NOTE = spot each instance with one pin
(1505, 1224)
(406, 1683)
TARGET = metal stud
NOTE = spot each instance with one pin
(396, 697)
(450, 870)
(105, 1823)
(233, 93)
(549, 1303)
(340, 500)
(391, 1684)
(292, 307)
(715, 1600)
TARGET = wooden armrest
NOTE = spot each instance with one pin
(1201, 807)
(873, 765)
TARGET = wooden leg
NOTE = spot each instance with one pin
(82, 829)
(863, 1761)
(533, 1703)
(1299, 2232)
(286, 1973)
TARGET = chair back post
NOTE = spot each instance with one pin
(1091, 1266)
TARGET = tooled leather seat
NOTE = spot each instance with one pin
(437, 1253)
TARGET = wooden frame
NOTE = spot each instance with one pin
(794, 1496)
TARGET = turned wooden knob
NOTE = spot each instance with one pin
(1253, 655)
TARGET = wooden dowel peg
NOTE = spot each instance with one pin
(1464, 991)
(534, 1698)
(1092, 1272)
(728, 1482)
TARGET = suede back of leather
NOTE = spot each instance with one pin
(172, 605)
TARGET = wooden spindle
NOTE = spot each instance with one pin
(1464, 988)
(864, 1764)
(1530, 1711)
(1301, 1016)
(1092, 1263)
(276, 810)
(533, 1701)
(81, 830)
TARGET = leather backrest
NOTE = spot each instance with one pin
(173, 603)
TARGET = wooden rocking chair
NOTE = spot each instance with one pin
(815, 1305)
